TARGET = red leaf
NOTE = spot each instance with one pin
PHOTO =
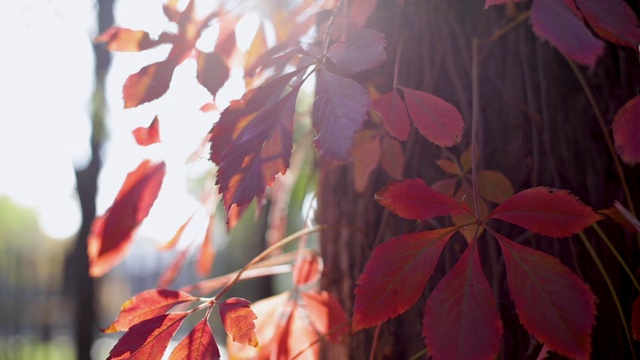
(394, 114)
(395, 276)
(292, 335)
(461, 320)
(366, 153)
(437, 120)
(326, 314)
(358, 50)
(213, 71)
(238, 321)
(559, 24)
(392, 157)
(151, 82)
(127, 40)
(339, 110)
(614, 20)
(172, 271)
(207, 251)
(306, 270)
(199, 344)
(148, 135)
(259, 152)
(145, 305)
(112, 233)
(553, 304)
(147, 339)
(626, 127)
(546, 211)
(413, 199)
(635, 319)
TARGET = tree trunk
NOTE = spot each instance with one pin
(536, 126)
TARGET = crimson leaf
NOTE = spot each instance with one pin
(147, 339)
(461, 320)
(395, 276)
(339, 110)
(112, 233)
(145, 305)
(358, 50)
(614, 20)
(413, 199)
(546, 211)
(394, 114)
(553, 304)
(557, 22)
(199, 344)
(437, 120)
(626, 127)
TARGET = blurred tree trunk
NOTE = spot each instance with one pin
(79, 284)
(536, 127)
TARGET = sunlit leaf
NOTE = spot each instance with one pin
(199, 344)
(553, 304)
(147, 339)
(360, 11)
(626, 127)
(176, 237)
(546, 211)
(238, 321)
(339, 110)
(358, 50)
(394, 114)
(127, 40)
(112, 233)
(306, 270)
(437, 120)
(614, 20)
(326, 314)
(145, 305)
(461, 319)
(395, 276)
(148, 135)
(207, 251)
(171, 272)
(212, 71)
(413, 199)
(148, 84)
(556, 22)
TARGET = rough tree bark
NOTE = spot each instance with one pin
(537, 127)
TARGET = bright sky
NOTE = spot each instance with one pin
(46, 82)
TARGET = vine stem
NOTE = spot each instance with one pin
(374, 344)
(616, 254)
(268, 251)
(612, 290)
(327, 34)
(604, 129)
(475, 118)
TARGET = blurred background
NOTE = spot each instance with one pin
(65, 149)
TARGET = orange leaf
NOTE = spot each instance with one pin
(238, 321)
(148, 135)
(493, 186)
(366, 154)
(145, 305)
(306, 270)
(172, 271)
(448, 167)
(622, 216)
(127, 40)
(199, 344)
(207, 251)
(112, 233)
(148, 84)
(326, 314)
(465, 194)
(392, 157)
(176, 237)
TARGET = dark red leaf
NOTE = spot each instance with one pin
(260, 150)
(238, 321)
(148, 135)
(199, 344)
(559, 24)
(207, 251)
(339, 110)
(394, 114)
(326, 314)
(546, 211)
(461, 320)
(614, 20)
(395, 276)
(172, 271)
(358, 50)
(112, 233)
(148, 84)
(553, 304)
(213, 71)
(145, 305)
(413, 199)
(626, 127)
(635, 319)
(437, 120)
(147, 339)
